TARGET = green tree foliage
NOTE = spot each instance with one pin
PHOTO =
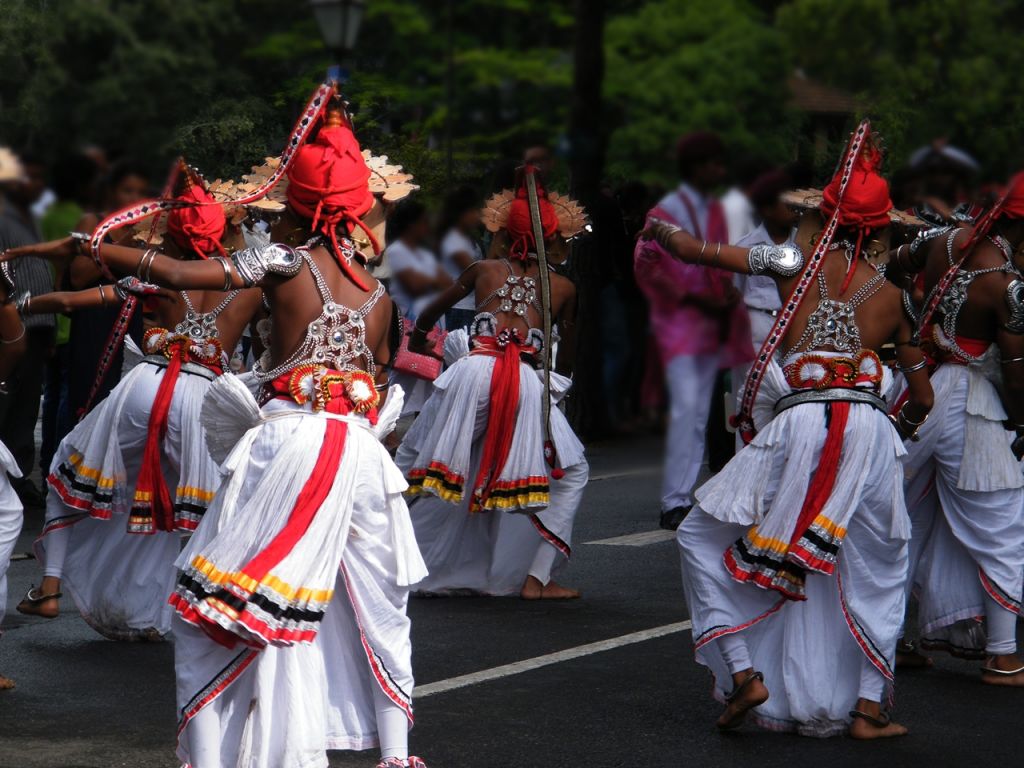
(681, 65)
(923, 70)
(221, 80)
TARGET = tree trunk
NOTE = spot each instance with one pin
(587, 408)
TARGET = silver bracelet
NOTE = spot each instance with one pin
(144, 267)
(416, 326)
(17, 338)
(227, 271)
(914, 367)
(663, 232)
(149, 266)
(1012, 360)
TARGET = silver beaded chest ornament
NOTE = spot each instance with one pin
(744, 419)
(978, 233)
(202, 325)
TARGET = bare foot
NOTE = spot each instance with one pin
(534, 590)
(42, 600)
(871, 722)
(749, 691)
(1005, 670)
(6, 683)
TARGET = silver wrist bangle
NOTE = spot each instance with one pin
(17, 338)
(227, 271)
(1012, 360)
(915, 367)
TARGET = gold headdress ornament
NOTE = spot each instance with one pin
(10, 166)
(572, 218)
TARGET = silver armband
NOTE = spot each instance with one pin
(926, 235)
(22, 302)
(909, 308)
(785, 260)
(253, 264)
(1015, 302)
(7, 279)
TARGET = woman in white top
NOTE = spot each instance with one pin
(458, 231)
(416, 275)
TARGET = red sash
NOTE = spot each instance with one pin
(152, 506)
(507, 348)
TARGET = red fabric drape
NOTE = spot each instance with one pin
(501, 423)
(327, 183)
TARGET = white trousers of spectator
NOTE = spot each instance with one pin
(691, 381)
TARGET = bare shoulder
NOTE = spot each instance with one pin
(562, 283)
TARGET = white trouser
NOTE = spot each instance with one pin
(10, 527)
(691, 382)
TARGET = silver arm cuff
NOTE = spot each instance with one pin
(926, 235)
(785, 260)
(253, 264)
(1015, 302)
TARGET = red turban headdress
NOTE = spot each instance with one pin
(520, 224)
(1010, 205)
(199, 227)
(866, 203)
(328, 184)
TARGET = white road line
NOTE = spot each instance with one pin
(626, 473)
(641, 539)
(527, 665)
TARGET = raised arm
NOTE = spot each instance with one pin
(65, 302)
(776, 260)
(244, 269)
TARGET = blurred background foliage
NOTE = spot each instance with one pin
(221, 80)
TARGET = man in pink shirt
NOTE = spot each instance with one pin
(699, 321)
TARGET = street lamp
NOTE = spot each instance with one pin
(339, 25)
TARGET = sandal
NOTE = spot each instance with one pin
(878, 722)
(956, 651)
(738, 717)
(1004, 672)
(908, 657)
(34, 601)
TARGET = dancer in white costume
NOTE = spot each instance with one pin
(478, 448)
(135, 475)
(12, 344)
(291, 635)
(795, 558)
(964, 485)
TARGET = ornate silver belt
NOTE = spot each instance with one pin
(831, 395)
(193, 368)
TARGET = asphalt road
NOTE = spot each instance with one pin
(85, 702)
